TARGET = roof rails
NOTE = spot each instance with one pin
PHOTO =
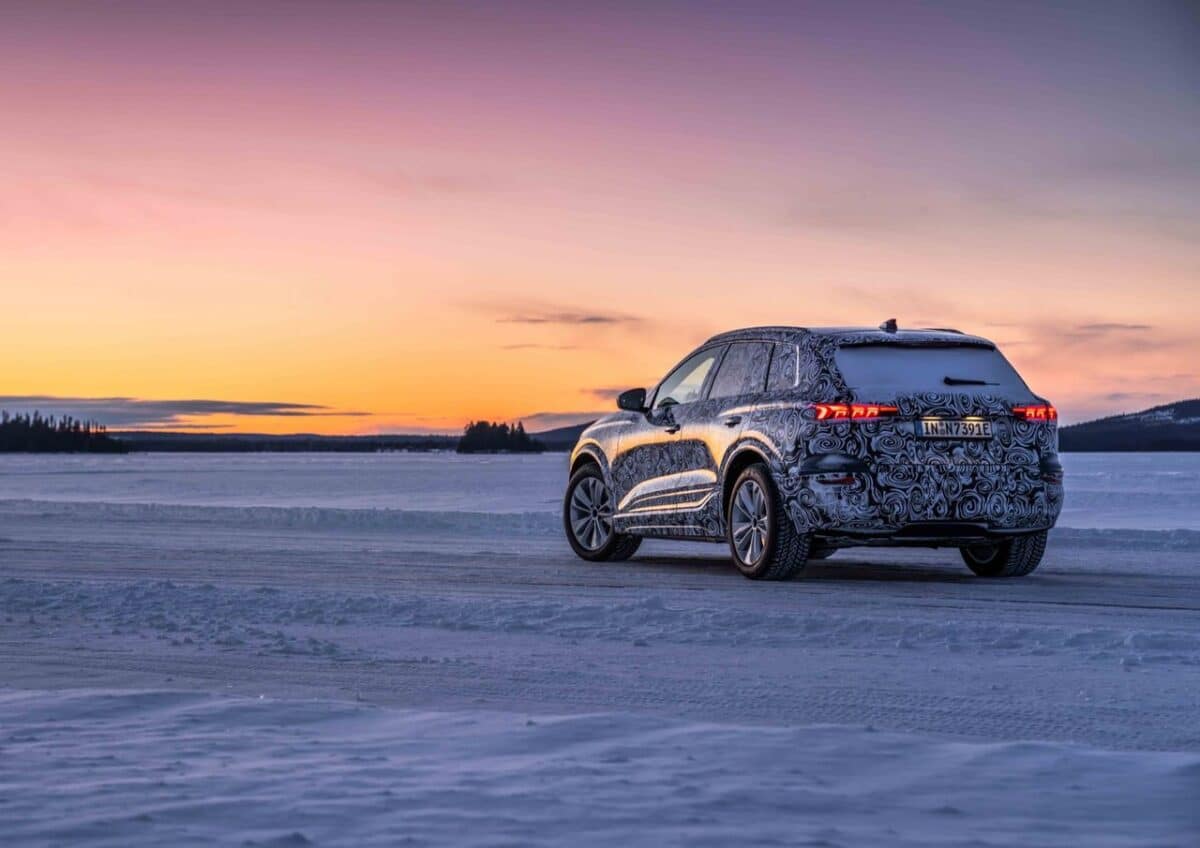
(944, 330)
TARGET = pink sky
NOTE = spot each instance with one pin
(436, 213)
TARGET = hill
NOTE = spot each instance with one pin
(1171, 427)
(561, 438)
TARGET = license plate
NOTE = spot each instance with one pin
(954, 428)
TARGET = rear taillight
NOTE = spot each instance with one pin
(852, 411)
(1037, 412)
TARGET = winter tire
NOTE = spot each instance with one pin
(588, 511)
(762, 538)
(1012, 558)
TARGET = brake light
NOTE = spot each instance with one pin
(1036, 412)
(852, 411)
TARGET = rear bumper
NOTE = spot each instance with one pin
(919, 504)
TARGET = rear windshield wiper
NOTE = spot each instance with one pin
(966, 381)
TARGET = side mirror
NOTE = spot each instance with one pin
(633, 400)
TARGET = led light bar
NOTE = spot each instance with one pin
(852, 411)
(1036, 412)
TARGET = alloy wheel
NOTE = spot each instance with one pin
(591, 513)
(750, 522)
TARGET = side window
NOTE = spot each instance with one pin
(743, 371)
(783, 371)
(685, 383)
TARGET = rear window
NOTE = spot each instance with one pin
(881, 372)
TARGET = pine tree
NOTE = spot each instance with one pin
(37, 434)
(492, 437)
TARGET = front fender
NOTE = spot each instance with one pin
(590, 450)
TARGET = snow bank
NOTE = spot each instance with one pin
(153, 768)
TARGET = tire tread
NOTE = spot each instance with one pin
(620, 547)
(1016, 557)
(790, 547)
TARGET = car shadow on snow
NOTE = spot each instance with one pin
(844, 566)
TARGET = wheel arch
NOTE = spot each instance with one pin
(589, 454)
(739, 460)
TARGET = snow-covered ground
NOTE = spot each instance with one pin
(349, 649)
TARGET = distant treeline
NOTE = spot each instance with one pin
(35, 434)
(488, 437)
(176, 442)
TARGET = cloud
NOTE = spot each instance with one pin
(1138, 396)
(1108, 336)
(1092, 338)
(537, 346)
(138, 412)
(568, 318)
(605, 392)
(1112, 327)
(179, 427)
(549, 326)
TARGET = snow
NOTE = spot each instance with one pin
(358, 650)
(1157, 491)
(424, 481)
(182, 768)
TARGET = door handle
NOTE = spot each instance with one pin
(672, 428)
(733, 420)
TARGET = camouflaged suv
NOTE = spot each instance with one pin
(789, 443)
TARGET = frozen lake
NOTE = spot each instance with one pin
(1126, 491)
(345, 649)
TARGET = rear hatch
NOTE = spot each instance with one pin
(960, 436)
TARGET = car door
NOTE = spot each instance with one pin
(650, 469)
(711, 427)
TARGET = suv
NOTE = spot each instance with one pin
(790, 442)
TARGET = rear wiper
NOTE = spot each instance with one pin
(966, 381)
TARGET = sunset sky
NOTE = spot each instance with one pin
(394, 217)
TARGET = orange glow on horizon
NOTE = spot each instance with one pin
(426, 218)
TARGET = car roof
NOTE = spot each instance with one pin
(859, 335)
